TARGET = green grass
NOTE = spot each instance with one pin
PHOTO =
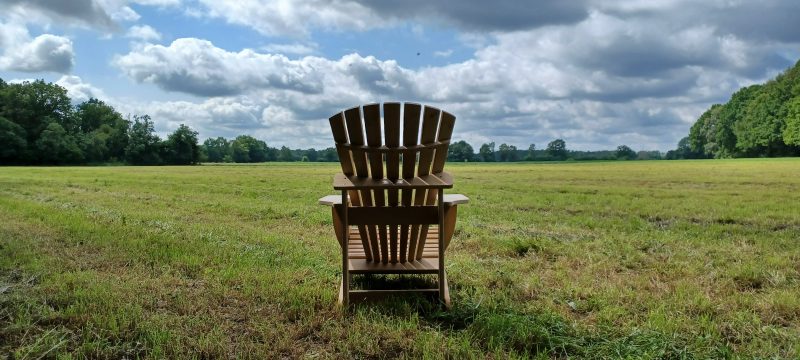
(680, 259)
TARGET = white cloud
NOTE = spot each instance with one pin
(443, 53)
(198, 67)
(74, 12)
(599, 83)
(293, 18)
(143, 32)
(161, 3)
(125, 13)
(296, 18)
(294, 48)
(78, 90)
(597, 73)
(44, 53)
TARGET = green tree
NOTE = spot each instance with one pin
(245, 149)
(56, 146)
(103, 122)
(330, 154)
(557, 149)
(95, 145)
(531, 155)
(791, 134)
(182, 148)
(286, 154)
(507, 152)
(12, 142)
(144, 146)
(703, 134)
(684, 151)
(486, 152)
(33, 105)
(217, 149)
(311, 154)
(649, 155)
(240, 151)
(460, 151)
(730, 114)
(625, 153)
(760, 131)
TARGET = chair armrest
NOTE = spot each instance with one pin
(330, 200)
(455, 199)
(449, 200)
(442, 180)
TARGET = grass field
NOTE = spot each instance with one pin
(680, 259)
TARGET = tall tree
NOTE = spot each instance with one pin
(246, 148)
(486, 152)
(144, 146)
(531, 155)
(557, 149)
(507, 152)
(625, 153)
(33, 105)
(286, 154)
(311, 154)
(12, 141)
(760, 130)
(460, 151)
(56, 146)
(791, 134)
(730, 114)
(102, 122)
(181, 146)
(217, 150)
(703, 134)
(330, 155)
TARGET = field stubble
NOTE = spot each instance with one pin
(681, 259)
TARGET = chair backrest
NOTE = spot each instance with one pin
(384, 156)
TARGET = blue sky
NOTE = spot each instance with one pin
(595, 73)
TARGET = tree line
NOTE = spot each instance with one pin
(555, 150)
(760, 120)
(40, 126)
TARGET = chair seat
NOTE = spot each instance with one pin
(423, 266)
(355, 246)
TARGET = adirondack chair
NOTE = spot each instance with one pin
(392, 216)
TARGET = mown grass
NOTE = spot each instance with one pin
(681, 259)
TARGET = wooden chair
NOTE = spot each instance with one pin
(392, 216)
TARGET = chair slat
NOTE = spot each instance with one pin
(445, 132)
(411, 114)
(430, 124)
(391, 125)
(440, 156)
(356, 136)
(340, 137)
(391, 128)
(372, 125)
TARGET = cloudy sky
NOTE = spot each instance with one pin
(595, 73)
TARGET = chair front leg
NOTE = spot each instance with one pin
(345, 293)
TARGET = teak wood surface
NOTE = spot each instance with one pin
(392, 216)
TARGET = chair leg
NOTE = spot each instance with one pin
(444, 296)
(344, 293)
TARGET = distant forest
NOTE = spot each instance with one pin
(40, 126)
(758, 121)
